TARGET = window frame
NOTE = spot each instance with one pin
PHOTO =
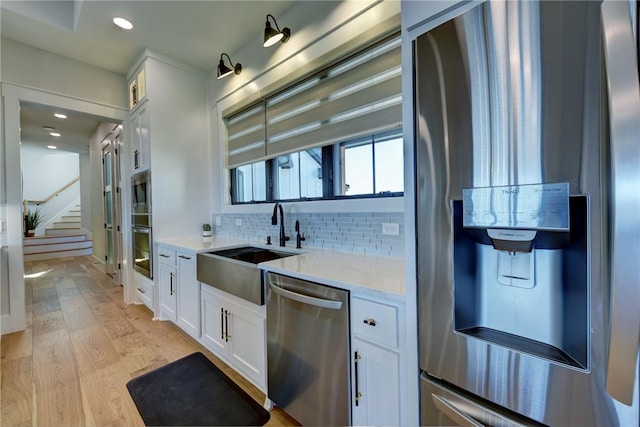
(329, 161)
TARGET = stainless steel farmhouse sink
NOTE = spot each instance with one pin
(236, 270)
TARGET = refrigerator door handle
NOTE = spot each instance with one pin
(624, 110)
(454, 413)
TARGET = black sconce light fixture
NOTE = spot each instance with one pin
(223, 70)
(272, 36)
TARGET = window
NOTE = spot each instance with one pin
(371, 166)
(248, 183)
(299, 175)
(336, 133)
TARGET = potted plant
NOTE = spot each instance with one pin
(206, 230)
(33, 219)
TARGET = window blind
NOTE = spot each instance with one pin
(246, 136)
(359, 96)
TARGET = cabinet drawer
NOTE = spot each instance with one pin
(166, 256)
(144, 292)
(375, 321)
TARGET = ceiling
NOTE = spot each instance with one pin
(192, 32)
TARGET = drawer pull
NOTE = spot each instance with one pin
(164, 256)
(184, 257)
(142, 291)
(370, 322)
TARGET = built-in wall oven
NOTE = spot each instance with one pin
(141, 233)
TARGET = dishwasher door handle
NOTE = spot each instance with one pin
(305, 299)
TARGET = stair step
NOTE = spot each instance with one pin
(60, 231)
(67, 224)
(59, 254)
(57, 247)
(70, 218)
(46, 240)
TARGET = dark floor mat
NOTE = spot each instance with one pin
(192, 391)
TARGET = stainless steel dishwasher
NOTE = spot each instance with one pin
(308, 350)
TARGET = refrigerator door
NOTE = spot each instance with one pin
(510, 94)
(624, 107)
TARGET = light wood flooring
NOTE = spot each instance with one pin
(81, 346)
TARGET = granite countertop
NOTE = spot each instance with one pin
(374, 275)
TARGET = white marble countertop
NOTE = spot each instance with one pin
(374, 275)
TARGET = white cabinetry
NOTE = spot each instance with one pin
(376, 350)
(144, 290)
(167, 281)
(179, 290)
(140, 138)
(234, 330)
(188, 294)
(137, 88)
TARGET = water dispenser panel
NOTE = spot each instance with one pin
(537, 207)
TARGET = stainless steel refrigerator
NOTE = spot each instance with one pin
(528, 214)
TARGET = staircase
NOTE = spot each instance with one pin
(64, 239)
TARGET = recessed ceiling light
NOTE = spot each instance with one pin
(54, 133)
(52, 147)
(48, 128)
(60, 115)
(123, 23)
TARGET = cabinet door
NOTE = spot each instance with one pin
(376, 380)
(214, 323)
(167, 285)
(248, 346)
(188, 295)
(140, 140)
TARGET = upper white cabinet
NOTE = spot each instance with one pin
(140, 138)
(137, 88)
(376, 348)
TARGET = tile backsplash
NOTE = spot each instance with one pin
(358, 232)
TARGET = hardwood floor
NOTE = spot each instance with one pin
(82, 345)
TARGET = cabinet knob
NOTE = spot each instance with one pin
(370, 322)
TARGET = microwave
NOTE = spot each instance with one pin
(141, 193)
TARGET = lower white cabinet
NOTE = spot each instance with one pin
(376, 349)
(235, 330)
(179, 289)
(188, 313)
(168, 298)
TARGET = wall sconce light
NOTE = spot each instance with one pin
(223, 70)
(272, 36)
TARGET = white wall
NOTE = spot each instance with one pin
(28, 66)
(44, 172)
